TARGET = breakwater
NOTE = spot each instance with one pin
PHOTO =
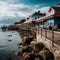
(33, 50)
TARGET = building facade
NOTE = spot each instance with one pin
(52, 19)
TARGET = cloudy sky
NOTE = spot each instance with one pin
(14, 10)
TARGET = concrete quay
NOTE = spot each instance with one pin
(48, 42)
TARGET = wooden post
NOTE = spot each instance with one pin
(45, 34)
(41, 32)
(52, 37)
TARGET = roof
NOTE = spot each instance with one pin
(39, 13)
(45, 18)
(55, 8)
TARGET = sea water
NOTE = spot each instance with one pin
(6, 46)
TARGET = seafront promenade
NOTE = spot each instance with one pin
(50, 39)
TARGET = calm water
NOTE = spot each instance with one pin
(6, 47)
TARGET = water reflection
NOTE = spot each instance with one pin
(7, 47)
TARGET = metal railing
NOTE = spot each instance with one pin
(48, 34)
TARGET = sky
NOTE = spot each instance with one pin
(14, 10)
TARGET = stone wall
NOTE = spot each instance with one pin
(48, 43)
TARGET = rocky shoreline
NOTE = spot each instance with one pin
(31, 49)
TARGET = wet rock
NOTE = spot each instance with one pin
(18, 53)
(28, 41)
(49, 56)
(24, 38)
(39, 57)
(10, 58)
(13, 51)
(34, 57)
(19, 43)
(27, 49)
(31, 57)
(9, 40)
(46, 54)
(39, 46)
(19, 47)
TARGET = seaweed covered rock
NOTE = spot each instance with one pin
(31, 57)
(47, 55)
(39, 57)
(28, 40)
(39, 46)
(27, 49)
(34, 57)
(20, 44)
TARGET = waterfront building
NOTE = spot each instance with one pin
(35, 16)
(52, 19)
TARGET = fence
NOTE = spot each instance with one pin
(45, 36)
(50, 34)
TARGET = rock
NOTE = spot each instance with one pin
(39, 46)
(24, 38)
(13, 51)
(39, 57)
(27, 49)
(10, 58)
(31, 57)
(47, 54)
(19, 44)
(18, 53)
(9, 40)
(28, 41)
